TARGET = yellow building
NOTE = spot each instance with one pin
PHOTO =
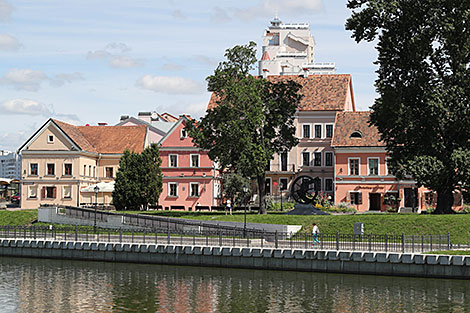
(60, 159)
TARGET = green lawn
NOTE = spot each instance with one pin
(458, 225)
(23, 217)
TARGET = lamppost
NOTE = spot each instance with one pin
(96, 189)
(245, 191)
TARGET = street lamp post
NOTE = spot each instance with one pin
(96, 189)
(245, 191)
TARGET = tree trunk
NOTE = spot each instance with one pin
(445, 200)
(262, 193)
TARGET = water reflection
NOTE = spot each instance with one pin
(35, 285)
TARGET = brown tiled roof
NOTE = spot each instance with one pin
(320, 92)
(350, 122)
(106, 139)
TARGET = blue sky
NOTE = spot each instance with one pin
(88, 61)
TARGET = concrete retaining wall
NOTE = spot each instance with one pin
(255, 258)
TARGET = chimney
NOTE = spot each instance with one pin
(102, 124)
(144, 116)
(124, 117)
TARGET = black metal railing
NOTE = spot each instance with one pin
(259, 239)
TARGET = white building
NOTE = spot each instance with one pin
(289, 49)
(10, 165)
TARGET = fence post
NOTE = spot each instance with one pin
(422, 243)
(321, 241)
(275, 239)
(337, 240)
(448, 241)
(413, 243)
(109, 235)
(440, 241)
(34, 228)
(156, 236)
(76, 233)
(220, 238)
(168, 234)
(402, 242)
(24, 232)
(370, 242)
(386, 243)
(430, 242)
(120, 234)
(132, 238)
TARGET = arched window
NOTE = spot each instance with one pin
(356, 134)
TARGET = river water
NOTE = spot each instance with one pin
(38, 285)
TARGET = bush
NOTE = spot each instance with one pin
(342, 207)
(276, 206)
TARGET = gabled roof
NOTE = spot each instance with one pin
(326, 92)
(348, 123)
(175, 126)
(155, 128)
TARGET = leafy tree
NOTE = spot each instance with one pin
(423, 112)
(233, 184)
(138, 180)
(253, 119)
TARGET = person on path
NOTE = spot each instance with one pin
(315, 232)
(228, 207)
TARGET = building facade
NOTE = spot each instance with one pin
(10, 165)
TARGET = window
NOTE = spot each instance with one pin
(356, 197)
(49, 192)
(283, 157)
(428, 198)
(387, 166)
(172, 189)
(84, 170)
(373, 165)
(183, 133)
(33, 169)
(357, 134)
(317, 185)
(173, 160)
(317, 130)
(68, 169)
(50, 169)
(89, 170)
(94, 171)
(306, 131)
(50, 139)
(33, 192)
(329, 130)
(194, 160)
(353, 166)
(267, 186)
(328, 158)
(109, 172)
(194, 189)
(283, 183)
(67, 192)
(317, 161)
(306, 158)
(328, 184)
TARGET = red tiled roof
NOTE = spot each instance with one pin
(106, 139)
(320, 92)
(350, 122)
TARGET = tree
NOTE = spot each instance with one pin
(233, 184)
(423, 109)
(138, 180)
(253, 118)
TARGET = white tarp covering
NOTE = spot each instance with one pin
(5, 181)
(104, 187)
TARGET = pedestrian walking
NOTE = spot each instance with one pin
(228, 207)
(315, 232)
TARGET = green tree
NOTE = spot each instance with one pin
(253, 119)
(138, 180)
(423, 109)
(233, 184)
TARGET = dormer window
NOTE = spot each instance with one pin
(183, 133)
(356, 134)
(50, 139)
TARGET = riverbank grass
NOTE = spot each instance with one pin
(20, 217)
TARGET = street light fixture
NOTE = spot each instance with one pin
(96, 189)
(245, 191)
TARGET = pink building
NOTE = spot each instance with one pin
(362, 178)
(189, 176)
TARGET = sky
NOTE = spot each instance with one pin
(91, 61)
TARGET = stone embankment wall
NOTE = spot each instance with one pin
(399, 264)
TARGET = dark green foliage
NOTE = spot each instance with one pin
(138, 180)
(253, 119)
(233, 185)
(423, 112)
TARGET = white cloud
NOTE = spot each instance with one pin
(116, 54)
(219, 15)
(269, 8)
(170, 84)
(31, 80)
(9, 43)
(25, 107)
(12, 141)
(5, 10)
(213, 62)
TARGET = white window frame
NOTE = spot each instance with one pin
(332, 158)
(270, 186)
(332, 184)
(49, 140)
(198, 160)
(332, 130)
(37, 174)
(169, 189)
(387, 172)
(350, 198)
(287, 185)
(280, 161)
(63, 192)
(30, 188)
(314, 159)
(63, 170)
(315, 132)
(191, 190)
(47, 170)
(378, 166)
(183, 133)
(169, 160)
(302, 135)
(358, 167)
(309, 159)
